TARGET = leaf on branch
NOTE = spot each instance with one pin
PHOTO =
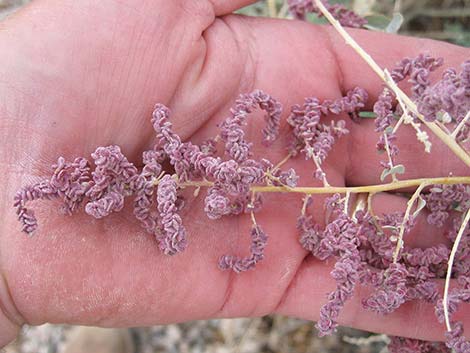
(395, 23)
(367, 115)
(420, 206)
(398, 169)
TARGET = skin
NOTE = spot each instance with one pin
(77, 76)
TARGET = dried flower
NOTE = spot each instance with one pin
(257, 247)
(231, 130)
(173, 234)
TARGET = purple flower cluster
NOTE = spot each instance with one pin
(362, 244)
(450, 95)
(339, 239)
(113, 179)
(363, 247)
(315, 139)
(391, 290)
(346, 17)
(173, 235)
(232, 128)
(155, 191)
(446, 101)
(455, 339)
(442, 199)
(258, 244)
(70, 182)
(418, 70)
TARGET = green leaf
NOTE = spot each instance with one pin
(377, 22)
(367, 115)
(313, 17)
(395, 23)
(385, 173)
(398, 169)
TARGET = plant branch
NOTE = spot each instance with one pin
(461, 125)
(345, 189)
(450, 263)
(272, 8)
(445, 138)
(406, 218)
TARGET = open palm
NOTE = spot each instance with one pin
(77, 75)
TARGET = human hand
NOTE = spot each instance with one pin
(75, 77)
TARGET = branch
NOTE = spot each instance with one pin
(402, 184)
(450, 263)
(445, 138)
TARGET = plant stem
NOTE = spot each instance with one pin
(445, 138)
(281, 163)
(272, 8)
(305, 203)
(406, 217)
(408, 119)
(450, 263)
(346, 203)
(461, 125)
(370, 210)
(284, 11)
(390, 160)
(344, 189)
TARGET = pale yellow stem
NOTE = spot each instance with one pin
(282, 162)
(317, 164)
(283, 12)
(344, 189)
(372, 213)
(450, 263)
(408, 119)
(346, 202)
(387, 148)
(252, 213)
(305, 203)
(272, 8)
(461, 125)
(406, 218)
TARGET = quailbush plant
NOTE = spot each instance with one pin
(368, 248)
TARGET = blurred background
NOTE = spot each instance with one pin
(447, 20)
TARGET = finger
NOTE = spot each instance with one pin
(9, 327)
(307, 293)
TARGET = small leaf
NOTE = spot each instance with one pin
(367, 115)
(377, 22)
(385, 173)
(420, 206)
(398, 169)
(395, 23)
(313, 17)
